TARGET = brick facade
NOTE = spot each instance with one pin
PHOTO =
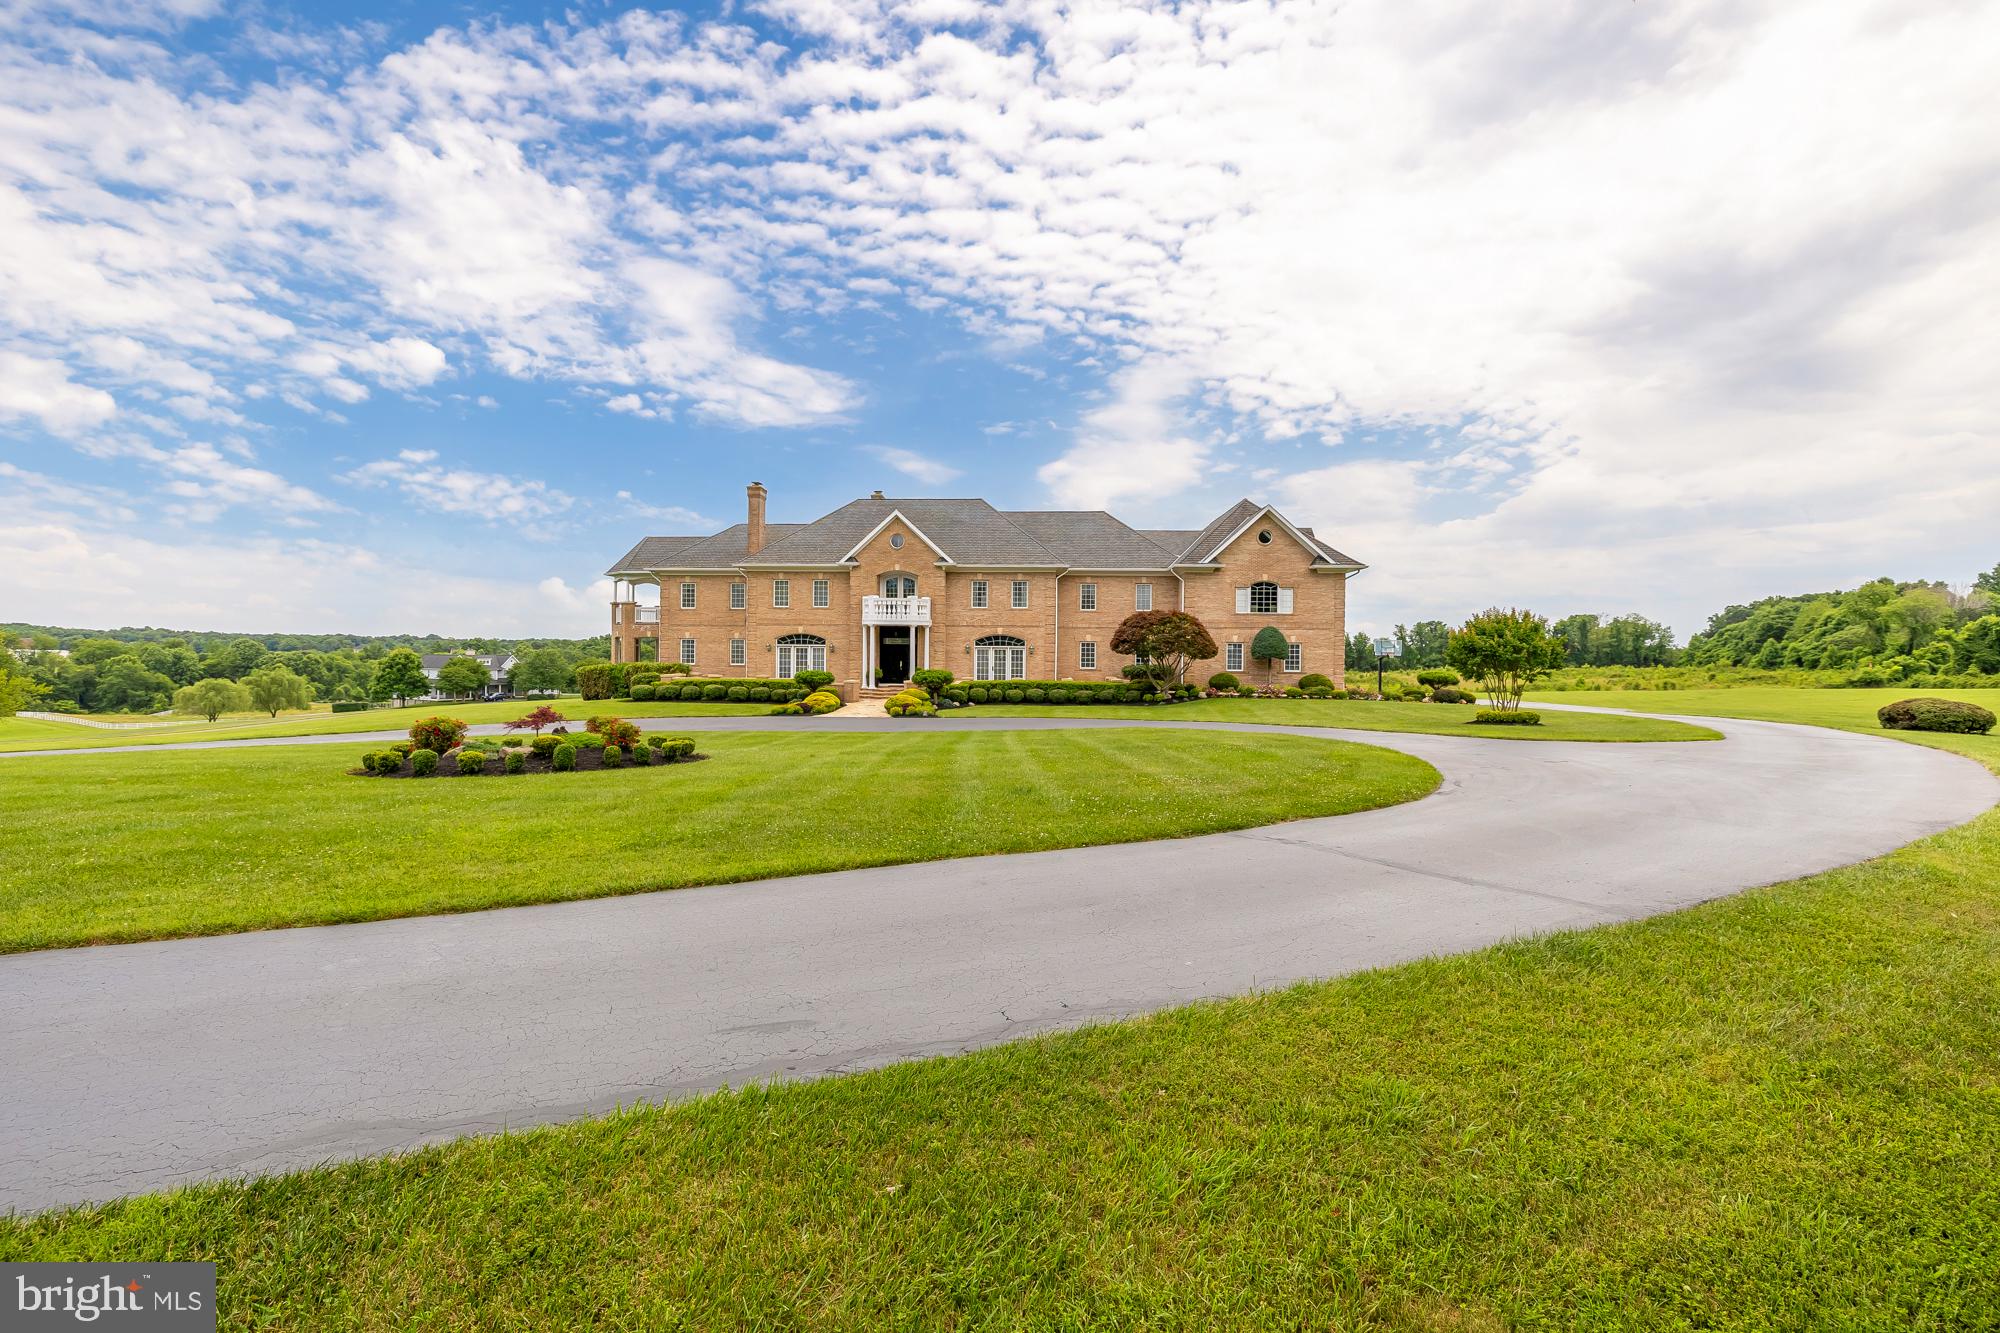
(1054, 625)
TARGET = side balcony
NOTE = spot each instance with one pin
(632, 619)
(895, 610)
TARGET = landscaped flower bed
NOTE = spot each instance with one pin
(610, 742)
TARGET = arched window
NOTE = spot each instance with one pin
(1264, 599)
(801, 652)
(1000, 657)
(898, 585)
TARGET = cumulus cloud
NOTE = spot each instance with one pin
(39, 389)
(1134, 447)
(927, 470)
(490, 495)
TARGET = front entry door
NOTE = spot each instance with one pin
(895, 659)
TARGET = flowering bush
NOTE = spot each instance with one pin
(615, 731)
(821, 701)
(437, 733)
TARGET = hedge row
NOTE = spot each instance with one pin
(1055, 692)
(710, 690)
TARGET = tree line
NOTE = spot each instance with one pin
(1905, 629)
(1587, 640)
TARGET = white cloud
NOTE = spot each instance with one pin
(1135, 447)
(929, 471)
(487, 495)
(203, 483)
(40, 390)
(680, 519)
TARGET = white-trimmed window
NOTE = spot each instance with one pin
(739, 596)
(687, 596)
(1086, 596)
(800, 652)
(739, 653)
(1020, 594)
(822, 593)
(687, 651)
(1295, 658)
(1000, 657)
(1232, 657)
(1142, 597)
(781, 592)
(979, 594)
(1263, 599)
(1086, 656)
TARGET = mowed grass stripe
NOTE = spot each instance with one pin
(141, 846)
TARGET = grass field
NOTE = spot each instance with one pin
(1847, 710)
(1437, 719)
(142, 846)
(1775, 1111)
(28, 733)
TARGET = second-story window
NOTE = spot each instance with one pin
(687, 596)
(979, 594)
(1020, 594)
(1142, 597)
(822, 593)
(739, 596)
(1086, 597)
(781, 592)
(1264, 599)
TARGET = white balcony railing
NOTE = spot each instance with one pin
(895, 610)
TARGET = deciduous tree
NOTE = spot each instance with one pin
(400, 676)
(276, 688)
(1168, 639)
(211, 698)
(1505, 651)
(463, 674)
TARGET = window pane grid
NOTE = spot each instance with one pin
(1086, 656)
(1294, 658)
(1264, 598)
(1020, 594)
(739, 596)
(1142, 597)
(687, 597)
(979, 594)
(1233, 658)
(1086, 597)
(738, 653)
(821, 592)
(781, 592)
(687, 652)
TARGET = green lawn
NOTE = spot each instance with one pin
(1363, 715)
(141, 846)
(1775, 1111)
(27, 733)
(1847, 710)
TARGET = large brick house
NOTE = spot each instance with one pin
(881, 587)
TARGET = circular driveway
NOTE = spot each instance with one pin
(133, 1067)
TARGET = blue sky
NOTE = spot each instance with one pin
(412, 318)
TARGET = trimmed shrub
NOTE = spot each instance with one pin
(676, 669)
(350, 706)
(821, 701)
(598, 680)
(978, 694)
(1317, 693)
(404, 747)
(589, 740)
(813, 680)
(655, 742)
(1437, 678)
(714, 692)
(564, 759)
(760, 694)
(1928, 714)
(1224, 680)
(739, 694)
(931, 680)
(912, 702)
(1507, 717)
(1445, 694)
(1016, 696)
(613, 756)
(545, 745)
(642, 755)
(517, 761)
(786, 710)
(423, 763)
(1313, 680)
(678, 748)
(437, 733)
(1034, 694)
(643, 693)
(1294, 692)
(471, 762)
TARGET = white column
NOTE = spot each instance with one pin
(927, 647)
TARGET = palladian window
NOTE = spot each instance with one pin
(1000, 657)
(800, 652)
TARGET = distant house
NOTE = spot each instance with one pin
(499, 667)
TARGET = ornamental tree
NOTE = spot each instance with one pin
(400, 676)
(1270, 645)
(544, 716)
(211, 698)
(463, 674)
(1170, 639)
(276, 688)
(1505, 651)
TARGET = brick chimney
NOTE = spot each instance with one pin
(753, 540)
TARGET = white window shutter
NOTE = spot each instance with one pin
(1284, 601)
(1242, 601)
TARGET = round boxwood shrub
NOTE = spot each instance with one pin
(787, 710)
(813, 680)
(423, 763)
(1017, 696)
(545, 745)
(642, 693)
(587, 741)
(759, 693)
(471, 762)
(738, 693)
(821, 701)
(977, 694)
(564, 759)
(1928, 714)
(1445, 694)
(613, 756)
(1223, 680)
(1318, 692)
(712, 693)
(1313, 680)
(517, 761)
(1507, 717)
(680, 747)
(404, 747)
(1034, 694)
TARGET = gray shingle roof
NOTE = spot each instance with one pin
(1090, 539)
(970, 532)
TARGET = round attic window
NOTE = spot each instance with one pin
(896, 540)
(1264, 537)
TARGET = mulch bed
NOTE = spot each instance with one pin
(587, 761)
